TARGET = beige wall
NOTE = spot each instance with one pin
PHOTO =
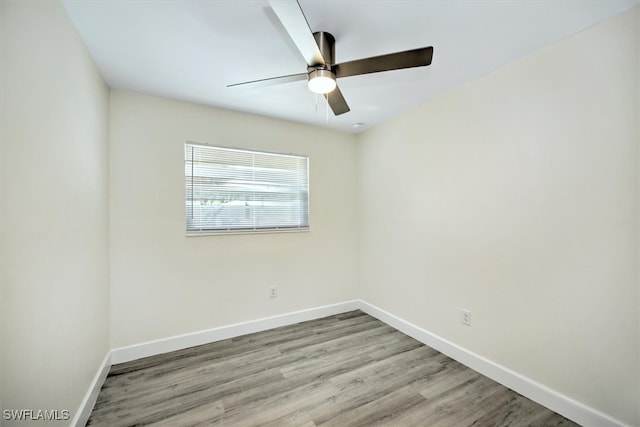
(516, 197)
(54, 247)
(164, 283)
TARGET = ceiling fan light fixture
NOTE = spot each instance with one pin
(321, 81)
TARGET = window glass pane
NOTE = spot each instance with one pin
(230, 190)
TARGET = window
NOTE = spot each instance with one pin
(234, 191)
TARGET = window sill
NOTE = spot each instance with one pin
(246, 231)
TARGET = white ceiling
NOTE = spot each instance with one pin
(191, 50)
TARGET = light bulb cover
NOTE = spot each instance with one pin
(321, 81)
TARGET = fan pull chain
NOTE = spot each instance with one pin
(327, 110)
(326, 97)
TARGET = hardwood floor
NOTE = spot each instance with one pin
(345, 370)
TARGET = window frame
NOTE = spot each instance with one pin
(248, 230)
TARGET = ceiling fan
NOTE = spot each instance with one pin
(318, 50)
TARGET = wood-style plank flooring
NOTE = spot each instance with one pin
(345, 370)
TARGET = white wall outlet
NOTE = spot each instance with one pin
(273, 292)
(466, 317)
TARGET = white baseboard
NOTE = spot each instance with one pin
(86, 406)
(535, 391)
(151, 348)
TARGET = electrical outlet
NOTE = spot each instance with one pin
(466, 317)
(273, 292)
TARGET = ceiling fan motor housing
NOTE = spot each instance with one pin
(326, 43)
(320, 77)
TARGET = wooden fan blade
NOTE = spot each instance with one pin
(393, 61)
(272, 81)
(290, 15)
(337, 102)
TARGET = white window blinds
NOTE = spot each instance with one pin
(229, 190)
